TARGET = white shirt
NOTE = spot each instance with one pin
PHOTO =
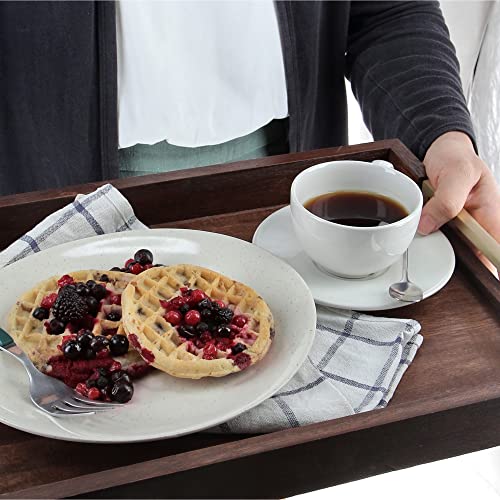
(197, 73)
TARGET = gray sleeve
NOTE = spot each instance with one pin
(404, 72)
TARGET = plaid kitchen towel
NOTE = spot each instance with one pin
(356, 361)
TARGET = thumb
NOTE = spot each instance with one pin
(449, 198)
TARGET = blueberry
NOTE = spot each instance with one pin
(121, 376)
(114, 316)
(206, 314)
(93, 305)
(99, 343)
(186, 331)
(105, 278)
(223, 331)
(91, 284)
(90, 383)
(118, 345)
(81, 289)
(122, 392)
(143, 256)
(184, 309)
(115, 269)
(201, 327)
(88, 353)
(236, 349)
(41, 313)
(85, 338)
(98, 291)
(103, 371)
(101, 382)
(72, 350)
(56, 327)
(159, 265)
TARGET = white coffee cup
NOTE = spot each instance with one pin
(350, 251)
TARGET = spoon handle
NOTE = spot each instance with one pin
(405, 266)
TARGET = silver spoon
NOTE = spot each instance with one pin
(405, 290)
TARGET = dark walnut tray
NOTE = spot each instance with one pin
(447, 404)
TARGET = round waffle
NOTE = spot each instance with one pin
(30, 334)
(160, 343)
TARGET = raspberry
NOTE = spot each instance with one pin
(65, 280)
(81, 388)
(49, 300)
(209, 352)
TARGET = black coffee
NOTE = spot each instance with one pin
(356, 208)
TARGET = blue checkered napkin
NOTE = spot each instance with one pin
(355, 365)
(103, 211)
(356, 361)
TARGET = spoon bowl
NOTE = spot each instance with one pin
(405, 290)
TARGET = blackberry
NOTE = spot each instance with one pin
(204, 304)
(69, 306)
(224, 315)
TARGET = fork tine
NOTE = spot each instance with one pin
(66, 410)
(84, 406)
(94, 402)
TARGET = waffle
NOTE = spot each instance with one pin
(159, 342)
(30, 334)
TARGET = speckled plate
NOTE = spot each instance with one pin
(164, 406)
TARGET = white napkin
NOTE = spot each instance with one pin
(356, 361)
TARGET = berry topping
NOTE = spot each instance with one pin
(143, 257)
(206, 314)
(85, 338)
(81, 289)
(192, 317)
(118, 345)
(224, 315)
(173, 317)
(242, 361)
(65, 280)
(41, 313)
(136, 268)
(55, 327)
(122, 392)
(240, 321)
(209, 351)
(99, 292)
(201, 327)
(115, 299)
(48, 301)
(114, 316)
(184, 308)
(236, 349)
(94, 393)
(196, 296)
(93, 305)
(223, 331)
(69, 306)
(99, 343)
(186, 331)
(72, 350)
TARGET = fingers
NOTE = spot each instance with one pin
(449, 198)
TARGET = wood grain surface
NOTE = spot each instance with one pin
(447, 403)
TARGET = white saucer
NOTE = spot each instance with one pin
(431, 264)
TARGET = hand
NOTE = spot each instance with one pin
(460, 179)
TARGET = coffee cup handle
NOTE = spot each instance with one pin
(383, 163)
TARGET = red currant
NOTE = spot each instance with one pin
(196, 296)
(173, 317)
(192, 317)
(94, 393)
(240, 321)
(116, 299)
(219, 303)
(115, 366)
(128, 262)
(177, 302)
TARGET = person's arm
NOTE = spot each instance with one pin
(405, 75)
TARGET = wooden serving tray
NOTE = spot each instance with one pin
(448, 402)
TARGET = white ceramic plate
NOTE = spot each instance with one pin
(431, 264)
(164, 406)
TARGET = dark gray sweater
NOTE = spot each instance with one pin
(58, 118)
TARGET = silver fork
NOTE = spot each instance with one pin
(50, 394)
